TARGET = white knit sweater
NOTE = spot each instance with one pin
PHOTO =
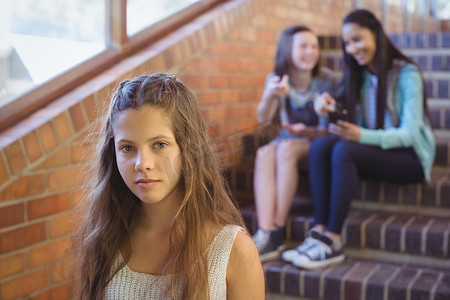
(130, 285)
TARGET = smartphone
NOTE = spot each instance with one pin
(339, 113)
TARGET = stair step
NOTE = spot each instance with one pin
(431, 198)
(429, 61)
(356, 279)
(408, 237)
(403, 40)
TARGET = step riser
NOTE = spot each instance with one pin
(442, 158)
(418, 197)
(428, 63)
(357, 280)
(403, 41)
(423, 238)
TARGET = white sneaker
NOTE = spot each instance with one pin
(313, 237)
(290, 254)
(322, 254)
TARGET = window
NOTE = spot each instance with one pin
(41, 39)
(48, 47)
(143, 13)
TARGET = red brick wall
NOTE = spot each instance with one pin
(223, 56)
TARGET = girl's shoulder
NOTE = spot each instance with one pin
(405, 66)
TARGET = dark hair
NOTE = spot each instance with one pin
(283, 56)
(385, 54)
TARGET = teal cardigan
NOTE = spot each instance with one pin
(414, 129)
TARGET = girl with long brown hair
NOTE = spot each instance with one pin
(160, 223)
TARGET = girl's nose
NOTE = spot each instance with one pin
(144, 162)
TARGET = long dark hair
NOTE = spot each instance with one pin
(385, 54)
(283, 56)
(111, 206)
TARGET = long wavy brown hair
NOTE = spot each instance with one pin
(111, 206)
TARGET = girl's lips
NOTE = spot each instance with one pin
(146, 183)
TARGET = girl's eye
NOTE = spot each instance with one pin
(127, 148)
(160, 145)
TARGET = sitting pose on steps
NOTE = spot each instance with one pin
(290, 90)
(387, 136)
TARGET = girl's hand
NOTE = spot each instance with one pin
(303, 130)
(278, 87)
(296, 128)
(324, 104)
(345, 130)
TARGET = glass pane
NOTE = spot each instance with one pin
(143, 13)
(42, 38)
(443, 9)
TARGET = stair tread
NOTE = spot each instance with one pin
(354, 277)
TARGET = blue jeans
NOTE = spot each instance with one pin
(335, 166)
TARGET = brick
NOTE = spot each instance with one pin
(332, 284)
(250, 96)
(421, 287)
(292, 281)
(208, 98)
(272, 273)
(12, 264)
(57, 159)
(207, 65)
(240, 81)
(24, 186)
(229, 65)
(376, 283)
(62, 225)
(63, 126)
(78, 119)
(190, 66)
(49, 252)
(65, 178)
(399, 285)
(32, 146)
(4, 174)
(61, 270)
(195, 81)
(15, 157)
(62, 292)
(90, 107)
(352, 283)
(221, 48)
(229, 96)
(11, 215)
(393, 236)
(48, 137)
(22, 237)
(217, 81)
(23, 285)
(49, 205)
(435, 238)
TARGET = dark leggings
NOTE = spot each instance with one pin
(335, 166)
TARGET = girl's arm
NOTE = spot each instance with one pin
(274, 89)
(412, 116)
(245, 277)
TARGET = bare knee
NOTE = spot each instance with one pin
(292, 151)
(265, 155)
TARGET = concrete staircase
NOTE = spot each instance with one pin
(397, 237)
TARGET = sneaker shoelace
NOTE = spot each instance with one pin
(307, 243)
(261, 238)
(318, 251)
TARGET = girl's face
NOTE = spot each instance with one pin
(305, 50)
(360, 43)
(148, 156)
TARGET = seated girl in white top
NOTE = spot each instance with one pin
(160, 223)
